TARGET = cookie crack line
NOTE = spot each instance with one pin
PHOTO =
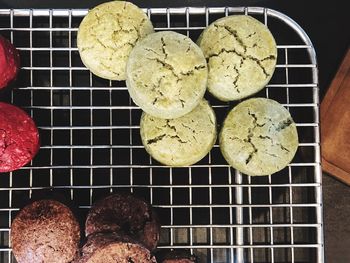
(161, 137)
(250, 136)
(244, 57)
(163, 48)
(153, 51)
(177, 137)
(251, 34)
(192, 71)
(249, 140)
(181, 100)
(108, 68)
(236, 79)
(282, 147)
(255, 120)
(233, 33)
(266, 138)
(188, 127)
(171, 127)
(273, 143)
(169, 67)
(156, 139)
(155, 88)
(271, 154)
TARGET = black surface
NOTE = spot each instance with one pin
(327, 24)
(336, 199)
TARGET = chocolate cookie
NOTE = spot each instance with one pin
(114, 247)
(45, 231)
(122, 212)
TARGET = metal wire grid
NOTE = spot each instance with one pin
(91, 146)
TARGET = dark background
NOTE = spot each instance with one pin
(328, 25)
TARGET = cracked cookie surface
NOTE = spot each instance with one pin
(241, 54)
(166, 74)
(182, 141)
(259, 137)
(107, 35)
(112, 247)
(19, 138)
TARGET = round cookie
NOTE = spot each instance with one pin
(182, 141)
(19, 138)
(9, 62)
(122, 212)
(166, 75)
(259, 137)
(45, 231)
(114, 247)
(107, 35)
(241, 54)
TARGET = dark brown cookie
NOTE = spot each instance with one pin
(114, 247)
(126, 213)
(45, 231)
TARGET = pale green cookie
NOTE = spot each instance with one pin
(241, 54)
(107, 35)
(259, 137)
(166, 75)
(182, 141)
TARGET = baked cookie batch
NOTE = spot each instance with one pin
(167, 75)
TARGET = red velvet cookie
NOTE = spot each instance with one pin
(9, 62)
(19, 138)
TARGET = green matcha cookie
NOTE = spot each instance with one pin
(182, 141)
(259, 137)
(107, 35)
(241, 54)
(166, 75)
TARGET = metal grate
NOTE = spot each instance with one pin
(91, 145)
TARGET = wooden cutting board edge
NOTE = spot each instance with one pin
(343, 70)
(335, 171)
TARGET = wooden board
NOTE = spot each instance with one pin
(335, 124)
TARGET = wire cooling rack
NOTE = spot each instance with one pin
(91, 146)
